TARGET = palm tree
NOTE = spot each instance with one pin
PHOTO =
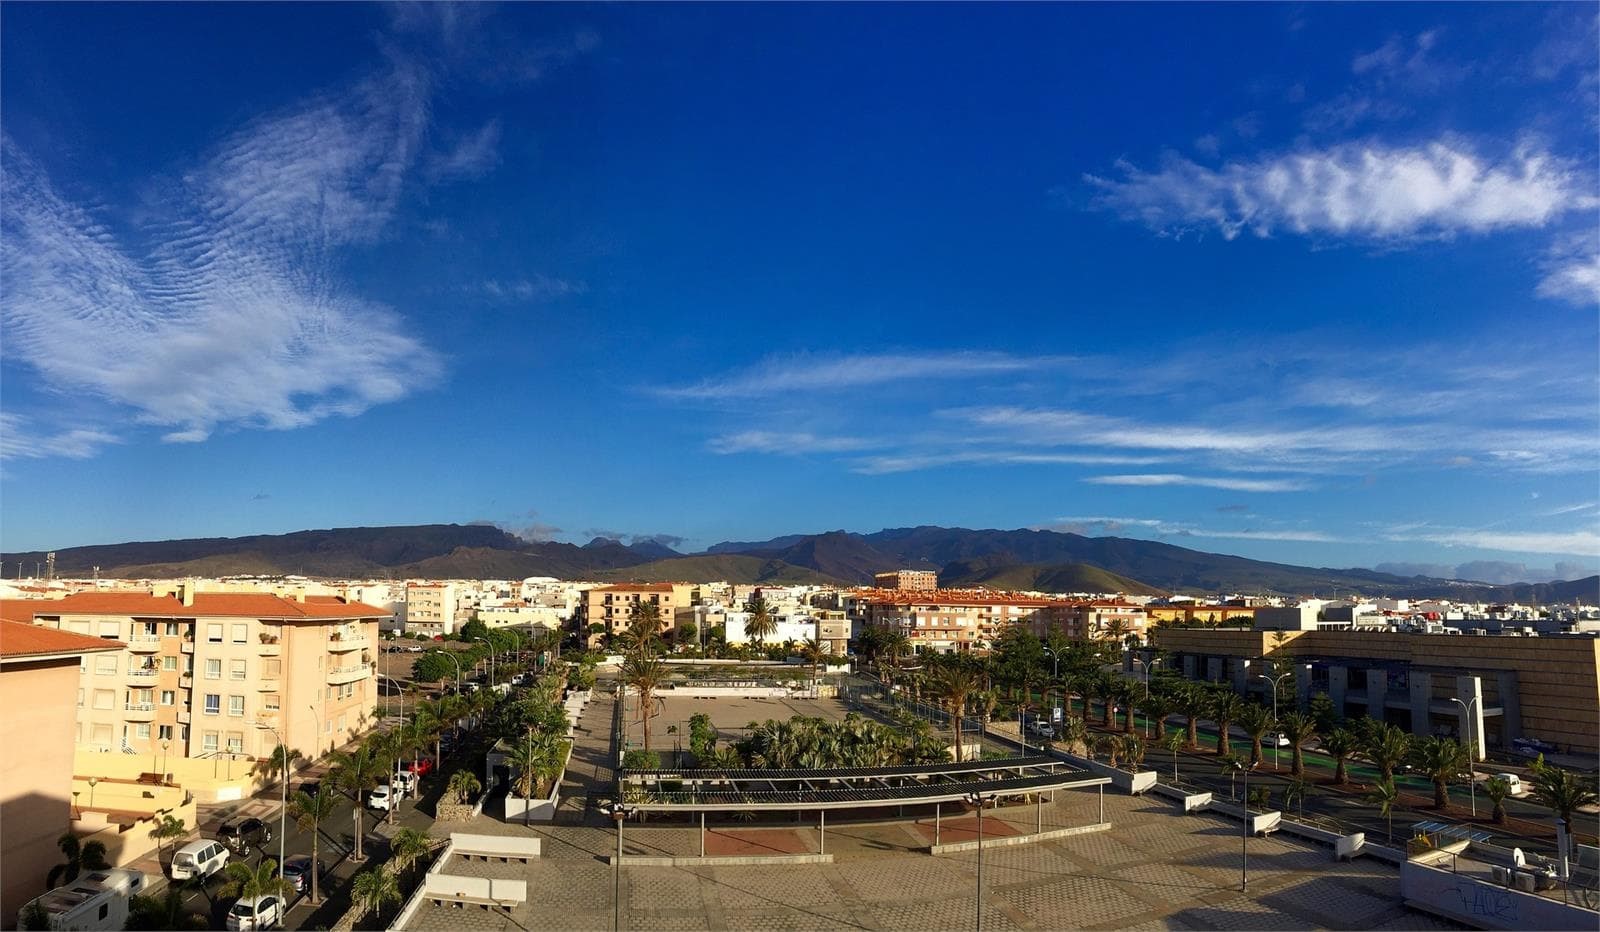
(166, 911)
(1298, 728)
(1339, 745)
(406, 847)
(1192, 704)
(1561, 790)
(81, 856)
(1497, 790)
(644, 674)
(1133, 749)
(534, 759)
(281, 761)
(811, 649)
(372, 890)
(1441, 760)
(1111, 747)
(1385, 796)
(356, 772)
(1386, 746)
(1156, 708)
(1125, 693)
(761, 625)
(431, 722)
(1296, 791)
(309, 812)
(250, 883)
(463, 783)
(1074, 735)
(1256, 720)
(1106, 689)
(170, 827)
(644, 628)
(1174, 742)
(954, 680)
(1225, 707)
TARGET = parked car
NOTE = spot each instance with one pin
(422, 766)
(1042, 729)
(309, 787)
(404, 783)
(199, 859)
(1513, 781)
(381, 798)
(263, 912)
(1278, 739)
(241, 835)
(297, 870)
(414, 649)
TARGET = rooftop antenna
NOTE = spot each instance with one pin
(97, 576)
(50, 565)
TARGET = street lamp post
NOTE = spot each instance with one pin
(619, 812)
(283, 802)
(92, 782)
(977, 799)
(1144, 667)
(490, 645)
(1275, 680)
(457, 661)
(1244, 834)
(318, 716)
(1472, 751)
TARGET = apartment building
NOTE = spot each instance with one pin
(1490, 689)
(614, 606)
(202, 669)
(1198, 613)
(907, 580)
(431, 608)
(38, 682)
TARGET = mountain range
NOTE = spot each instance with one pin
(1003, 559)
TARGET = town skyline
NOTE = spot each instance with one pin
(1305, 284)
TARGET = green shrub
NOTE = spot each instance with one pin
(641, 760)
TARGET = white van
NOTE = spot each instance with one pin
(96, 900)
(204, 857)
(1513, 781)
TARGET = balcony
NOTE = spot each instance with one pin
(184, 717)
(188, 645)
(348, 674)
(186, 681)
(340, 644)
(144, 643)
(139, 711)
(145, 677)
(268, 684)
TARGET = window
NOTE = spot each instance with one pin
(169, 663)
(213, 704)
(164, 732)
(214, 633)
(80, 697)
(183, 733)
(78, 627)
(103, 698)
(102, 734)
(269, 702)
(341, 723)
(142, 732)
(236, 705)
(209, 741)
(271, 669)
(173, 630)
(236, 669)
(110, 629)
(105, 664)
(144, 696)
(168, 697)
(239, 633)
(213, 669)
(235, 742)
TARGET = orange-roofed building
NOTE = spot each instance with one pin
(948, 620)
(201, 669)
(613, 607)
(38, 691)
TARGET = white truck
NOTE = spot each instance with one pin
(96, 900)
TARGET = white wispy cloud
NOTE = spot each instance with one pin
(795, 443)
(1209, 482)
(1363, 191)
(533, 288)
(1098, 525)
(1572, 270)
(910, 462)
(228, 310)
(473, 156)
(807, 372)
(19, 440)
(1575, 543)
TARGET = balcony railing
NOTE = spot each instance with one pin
(143, 676)
(184, 717)
(347, 642)
(349, 674)
(144, 643)
(140, 711)
(188, 645)
(186, 681)
(267, 684)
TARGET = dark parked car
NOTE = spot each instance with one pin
(297, 870)
(241, 835)
(309, 787)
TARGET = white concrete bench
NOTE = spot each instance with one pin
(491, 847)
(475, 891)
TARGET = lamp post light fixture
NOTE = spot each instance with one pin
(978, 799)
(457, 661)
(619, 812)
(283, 793)
(489, 644)
(1275, 680)
(92, 782)
(1472, 751)
(1244, 834)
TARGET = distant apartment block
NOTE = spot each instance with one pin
(907, 580)
(972, 619)
(200, 669)
(614, 607)
(431, 609)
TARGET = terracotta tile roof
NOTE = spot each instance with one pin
(22, 609)
(636, 587)
(21, 640)
(206, 604)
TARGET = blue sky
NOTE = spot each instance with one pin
(1315, 284)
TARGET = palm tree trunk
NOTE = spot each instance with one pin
(1441, 795)
(1193, 726)
(360, 851)
(1341, 776)
(316, 890)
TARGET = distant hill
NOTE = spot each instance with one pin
(1040, 577)
(1585, 590)
(734, 568)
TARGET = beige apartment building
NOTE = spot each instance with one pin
(201, 670)
(430, 609)
(38, 680)
(614, 606)
(971, 619)
(907, 580)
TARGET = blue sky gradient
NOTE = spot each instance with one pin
(1315, 284)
